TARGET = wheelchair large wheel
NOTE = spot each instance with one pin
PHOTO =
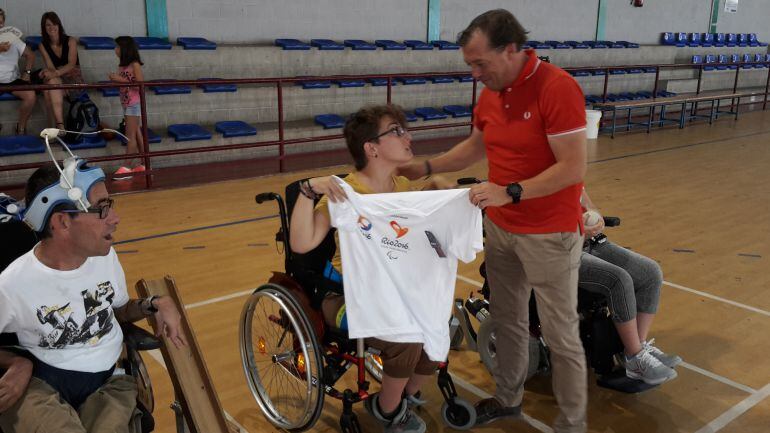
(281, 359)
(487, 340)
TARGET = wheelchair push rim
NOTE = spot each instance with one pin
(281, 359)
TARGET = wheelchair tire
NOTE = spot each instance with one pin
(486, 342)
(460, 417)
(281, 355)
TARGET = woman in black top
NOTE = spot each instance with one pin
(60, 56)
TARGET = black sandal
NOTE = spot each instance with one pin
(20, 131)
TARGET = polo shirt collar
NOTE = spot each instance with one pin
(528, 71)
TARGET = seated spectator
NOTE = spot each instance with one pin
(62, 66)
(631, 282)
(64, 299)
(10, 53)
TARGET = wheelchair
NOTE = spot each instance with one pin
(20, 240)
(292, 359)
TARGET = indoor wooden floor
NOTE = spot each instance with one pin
(697, 200)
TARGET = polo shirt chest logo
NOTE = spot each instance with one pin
(527, 115)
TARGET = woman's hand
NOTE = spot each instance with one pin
(114, 76)
(328, 187)
(47, 74)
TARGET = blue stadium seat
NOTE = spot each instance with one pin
(612, 44)
(594, 99)
(410, 117)
(445, 45)
(170, 90)
(377, 82)
(458, 110)
(681, 39)
(598, 72)
(350, 83)
(218, 88)
(330, 121)
(8, 96)
(152, 43)
(33, 42)
(418, 45)
(189, 43)
(667, 38)
(595, 44)
(665, 94)
(722, 62)
(87, 142)
(694, 40)
(429, 113)
(389, 45)
(314, 84)
(747, 58)
(645, 94)
(188, 132)
(707, 40)
(152, 137)
(634, 71)
(697, 59)
(411, 80)
(465, 78)
(576, 45)
(441, 79)
(719, 39)
(767, 58)
(20, 145)
(235, 128)
(359, 45)
(709, 62)
(617, 71)
(731, 39)
(97, 42)
(650, 70)
(759, 58)
(628, 44)
(540, 45)
(327, 45)
(753, 40)
(735, 58)
(581, 73)
(557, 45)
(292, 44)
(108, 91)
(743, 40)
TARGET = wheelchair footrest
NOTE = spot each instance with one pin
(618, 381)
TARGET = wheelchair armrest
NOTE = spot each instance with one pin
(138, 338)
(611, 221)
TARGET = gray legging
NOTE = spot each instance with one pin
(630, 281)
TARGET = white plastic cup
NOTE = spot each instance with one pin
(593, 117)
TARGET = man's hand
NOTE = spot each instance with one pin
(594, 229)
(5, 46)
(169, 321)
(14, 382)
(489, 194)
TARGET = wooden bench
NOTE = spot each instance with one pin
(682, 101)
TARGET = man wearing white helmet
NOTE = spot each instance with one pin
(65, 299)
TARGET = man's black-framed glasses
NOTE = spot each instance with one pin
(102, 208)
(400, 131)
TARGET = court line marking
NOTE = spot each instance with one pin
(218, 299)
(686, 365)
(195, 229)
(158, 357)
(483, 394)
(734, 412)
(718, 298)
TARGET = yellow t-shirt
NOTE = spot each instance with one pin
(401, 183)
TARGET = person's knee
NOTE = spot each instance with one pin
(400, 359)
(53, 80)
(27, 97)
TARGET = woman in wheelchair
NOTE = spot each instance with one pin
(379, 143)
(631, 283)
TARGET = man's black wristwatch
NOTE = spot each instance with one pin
(514, 190)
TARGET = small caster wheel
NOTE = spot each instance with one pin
(459, 416)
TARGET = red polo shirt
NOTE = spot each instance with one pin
(544, 101)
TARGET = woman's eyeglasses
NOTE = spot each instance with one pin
(399, 131)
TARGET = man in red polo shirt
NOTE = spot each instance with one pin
(530, 123)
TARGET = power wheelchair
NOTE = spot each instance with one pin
(292, 359)
(21, 239)
(600, 339)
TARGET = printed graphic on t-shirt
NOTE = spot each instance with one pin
(67, 331)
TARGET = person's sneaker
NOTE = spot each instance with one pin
(403, 421)
(491, 409)
(668, 360)
(138, 169)
(122, 173)
(645, 367)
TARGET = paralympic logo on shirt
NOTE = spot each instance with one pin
(364, 224)
(400, 231)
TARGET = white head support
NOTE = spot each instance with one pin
(73, 187)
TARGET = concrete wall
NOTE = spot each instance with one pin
(752, 17)
(105, 17)
(549, 19)
(644, 25)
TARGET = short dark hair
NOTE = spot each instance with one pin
(129, 52)
(41, 179)
(500, 26)
(364, 124)
(54, 19)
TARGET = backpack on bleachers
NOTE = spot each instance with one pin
(83, 116)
